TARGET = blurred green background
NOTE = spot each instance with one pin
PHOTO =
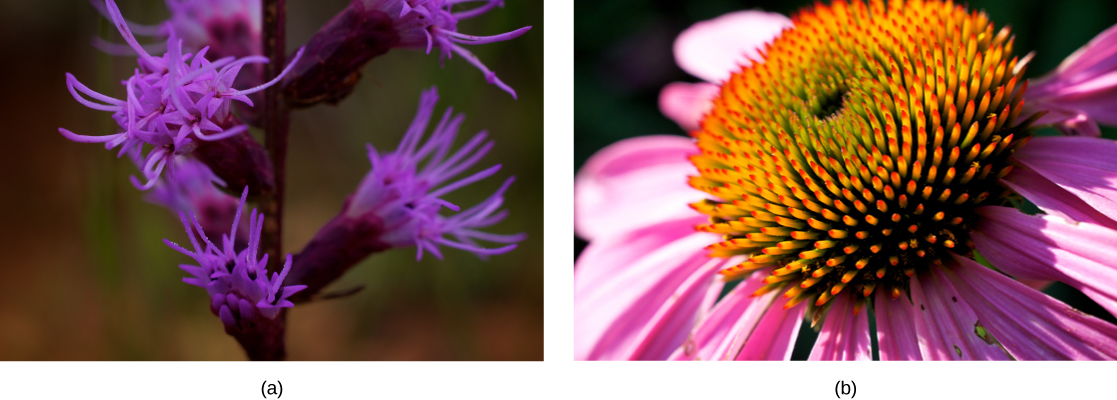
(623, 57)
(87, 277)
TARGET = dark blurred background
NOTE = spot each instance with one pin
(87, 277)
(623, 57)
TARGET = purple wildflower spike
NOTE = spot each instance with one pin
(171, 102)
(425, 24)
(407, 198)
(232, 277)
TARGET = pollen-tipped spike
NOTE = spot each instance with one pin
(880, 272)
(818, 273)
(895, 292)
(824, 298)
(862, 235)
(825, 244)
(810, 254)
(894, 260)
(948, 243)
(871, 220)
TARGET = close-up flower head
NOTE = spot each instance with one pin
(888, 180)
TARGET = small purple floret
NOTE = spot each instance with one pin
(237, 281)
(425, 24)
(406, 197)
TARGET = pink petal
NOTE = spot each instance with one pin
(774, 337)
(636, 295)
(901, 328)
(844, 336)
(715, 48)
(687, 103)
(1080, 254)
(1053, 199)
(634, 183)
(1083, 89)
(934, 324)
(1028, 324)
(956, 321)
(1065, 115)
(1083, 166)
(720, 335)
(1096, 57)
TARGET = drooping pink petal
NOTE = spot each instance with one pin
(1053, 199)
(1082, 255)
(1083, 166)
(774, 336)
(713, 49)
(844, 336)
(633, 183)
(636, 295)
(1081, 91)
(1028, 324)
(721, 334)
(686, 103)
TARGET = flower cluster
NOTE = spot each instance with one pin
(237, 281)
(425, 24)
(406, 197)
(170, 102)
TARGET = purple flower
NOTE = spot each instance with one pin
(227, 27)
(237, 281)
(406, 197)
(169, 102)
(425, 24)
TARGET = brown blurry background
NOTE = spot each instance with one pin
(84, 274)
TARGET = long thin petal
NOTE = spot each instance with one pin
(1053, 199)
(715, 48)
(1080, 254)
(957, 323)
(774, 337)
(844, 335)
(633, 183)
(1029, 324)
(721, 334)
(687, 103)
(901, 329)
(621, 283)
(1083, 166)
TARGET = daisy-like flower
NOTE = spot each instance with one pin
(429, 24)
(861, 161)
(241, 292)
(170, 102)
